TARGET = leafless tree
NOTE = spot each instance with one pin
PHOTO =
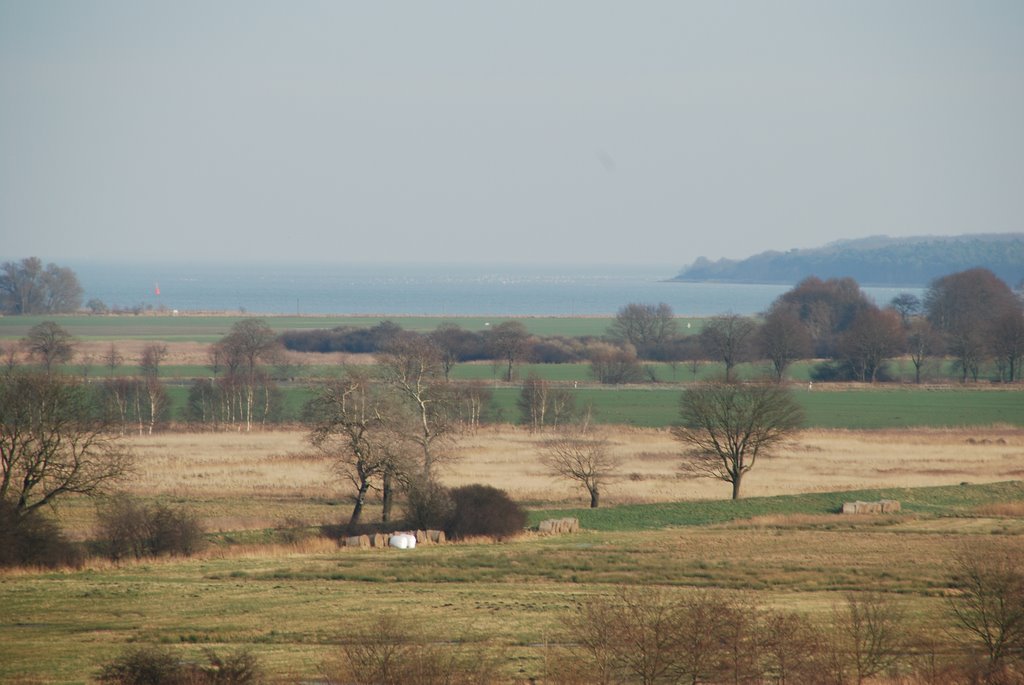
(727, 426)
(412, 367)
(728, 339)
(583, 458)
(907, 305)
(349, 423)
(248, 345)
(112, 358)
(50, 344)
(473, 399)
(1006, 341)
(963, 306)
(508, 341)
(923, 343)
(782, 339)
(871, 634)
(543, 405)
(644, 326)
(990, 605)
(826, 308)
(534, 402)
(455, 344)
(53, 442)
(873, 336)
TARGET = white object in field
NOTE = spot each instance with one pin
(402, 541)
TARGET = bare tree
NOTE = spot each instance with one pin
(53, 442)
(826, 308)
(644, 326)
(156, 394)
(963, 306)
(249, 344)
(873, 336)
(871, 634)
(112, 359)
(907, 305)
(455, 344)
(727, 426)
(582, 458)
(923, 342)
(534, 402)
(728, 339)
(990, 605)
(412, 367)
(50, 344)
(1006, 341)
(508, 341)
(348, 421)
(782, 339)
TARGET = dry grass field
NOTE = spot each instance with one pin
(259, 480)
(293, 605)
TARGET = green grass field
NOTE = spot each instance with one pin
(211, 328)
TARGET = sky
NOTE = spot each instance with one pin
(582, 132)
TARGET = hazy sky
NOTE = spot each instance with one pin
(549, 131)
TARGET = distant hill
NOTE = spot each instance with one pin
(877, 261)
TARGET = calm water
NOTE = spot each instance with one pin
(419, 289)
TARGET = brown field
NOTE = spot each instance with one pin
(294, 604)
(266, 479)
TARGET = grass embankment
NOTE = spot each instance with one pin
(949, 500)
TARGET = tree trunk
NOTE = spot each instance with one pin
(594, 495)
(388, 497)
(736, 485)
(357, 510)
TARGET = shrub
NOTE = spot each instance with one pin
(394, 651)
(159, 666)
(34, 540)
(143, 666)
(483, 510)
(128, 528)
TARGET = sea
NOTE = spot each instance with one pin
(419, 289)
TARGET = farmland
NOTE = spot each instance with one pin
(268, 582)
(294, 600)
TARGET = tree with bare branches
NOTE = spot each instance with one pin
(644, 326)
(583, 458)
(989, 607)
(728, 338)
(412, 367)
(727, 426)
(54, 442)
(349, 423)
(50, 344)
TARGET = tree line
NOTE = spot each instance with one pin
(970, 318)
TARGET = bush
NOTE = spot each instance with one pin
(483, 510)
(34, 540)
(128, 528)
(143, 666)
(394, 651)
(159, 666)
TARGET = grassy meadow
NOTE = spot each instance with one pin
(294, 599)
(268, 582)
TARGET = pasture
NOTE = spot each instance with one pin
(294, 600)
(268, 582)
